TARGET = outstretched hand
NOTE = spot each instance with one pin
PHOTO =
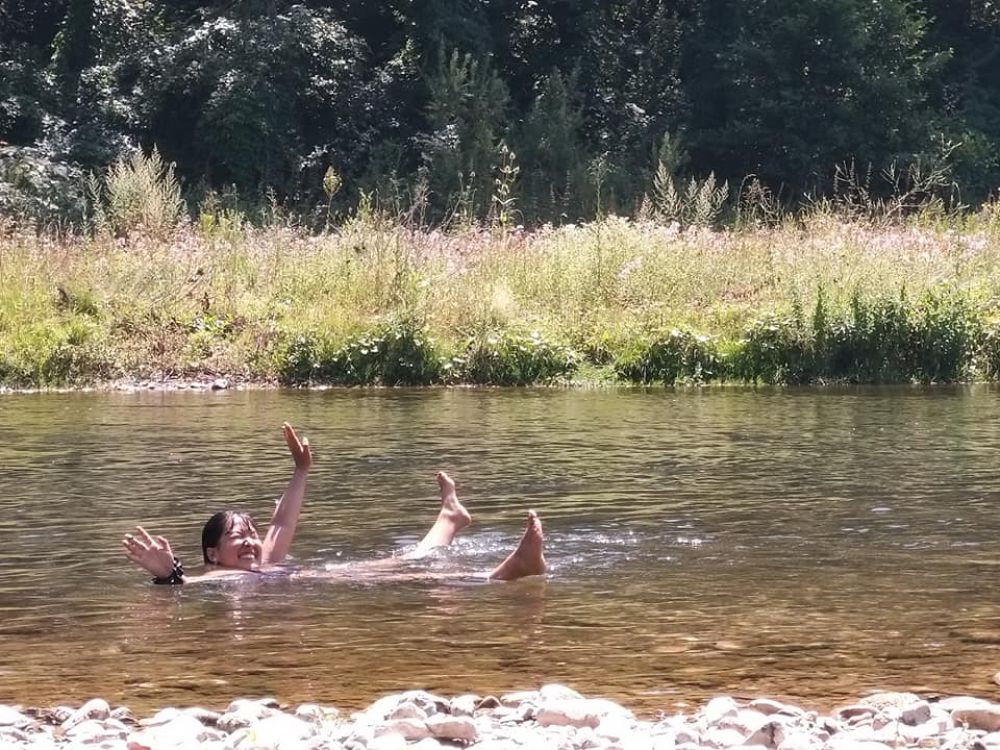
(152, 554)
(299, 448)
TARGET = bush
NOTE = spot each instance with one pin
(44, 354)
(774, 349)
(671, 356)
(398, 352)
(893, 339)
(140, 193)
(510, 358)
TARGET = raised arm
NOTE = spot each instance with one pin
(286, 513)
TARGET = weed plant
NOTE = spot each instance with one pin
(382, 299)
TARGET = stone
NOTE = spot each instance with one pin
(770, 734)
(721, 738)
(312, 712)
(408, 728)
(407, 710)
(280, 731)
(854, 711)
(568, 712)
(745, 721)
(557, 692)
(220, 384)
(96, 708)
(387, 742)
(770, 707)
(10, 717)
(799, 740)
(180, 733)
(94, 730)
(891, 703)
(986, 718)
(453, 728)
(243, 713)
(718, 708)
(916, 713)
(962, 702)
(463, 705)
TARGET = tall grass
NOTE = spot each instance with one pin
(375, 301)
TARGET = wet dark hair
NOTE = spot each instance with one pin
(220, 524)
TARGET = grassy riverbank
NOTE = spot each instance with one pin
(615, 300)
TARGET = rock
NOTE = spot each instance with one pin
(841, 742)
(243, 713)
(96, 708)
(717, 708)
(463, 705)
(381, 709)
(721, 738)
(490, 701)
(854, 711)
(220, 384)
(770, 707)
(890, 703)
(916, 713)
(745, 721)
(95, 730)
(407, 710)
(771, 734)
(453, 728)
(799, 740)
(557, 692)
(579, 712)
(986, 718)
(206, 716)
(996, 678)
(408, 728)
(387, 742)
(10, 717)
(962, 702)
(180, 733)
(123, 714)
(316, 714)
(280, 731)
(991, 740)
(428, 743)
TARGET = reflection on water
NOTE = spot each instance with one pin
(808, 544)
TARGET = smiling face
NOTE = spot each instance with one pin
(230, 540)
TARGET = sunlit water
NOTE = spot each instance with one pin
(806, 544)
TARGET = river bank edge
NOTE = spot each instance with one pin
(554, 716)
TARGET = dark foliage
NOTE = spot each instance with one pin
(426, 95)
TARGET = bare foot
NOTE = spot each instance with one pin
(527, 559)
(451, 519)
(452, 510)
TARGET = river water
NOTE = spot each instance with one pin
(811, 545)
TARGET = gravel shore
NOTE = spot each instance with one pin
(553, 717)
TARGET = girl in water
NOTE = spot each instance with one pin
(231, 546)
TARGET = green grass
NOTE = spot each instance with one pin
(812, 300)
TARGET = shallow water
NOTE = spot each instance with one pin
(806, 544)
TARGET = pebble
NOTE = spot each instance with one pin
(554, 717)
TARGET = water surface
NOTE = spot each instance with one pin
(806, 544)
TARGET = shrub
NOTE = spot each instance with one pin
(510, 358)
(774, 349)
(398, 352)
(140, 193)
(672, 355)
(45, 354)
